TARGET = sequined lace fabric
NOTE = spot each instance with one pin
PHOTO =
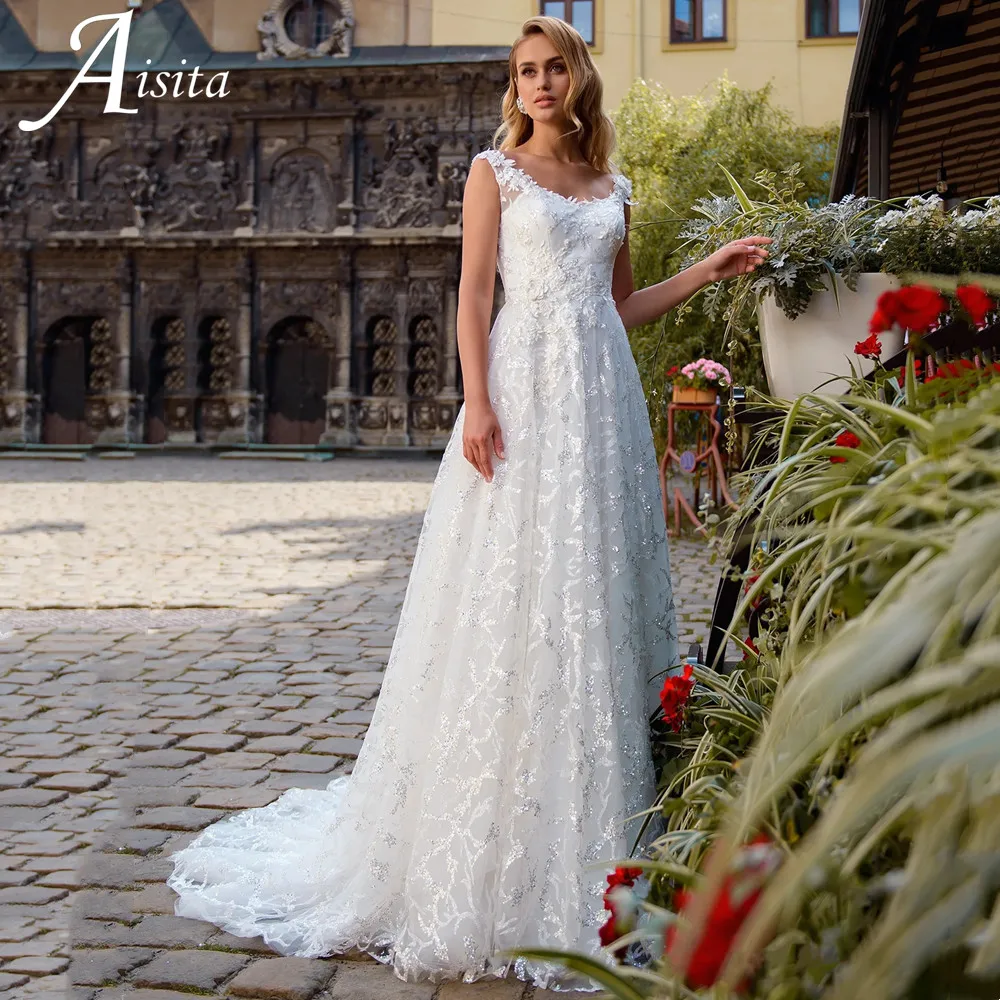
(510, 743)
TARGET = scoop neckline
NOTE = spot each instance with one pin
(571, 198)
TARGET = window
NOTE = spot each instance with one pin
(579, 13)
(309, 22)
(832, 18)
(698, 21)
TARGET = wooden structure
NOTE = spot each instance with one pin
(704, 459)
(923, 103)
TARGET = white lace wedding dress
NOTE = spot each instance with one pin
(510, 741)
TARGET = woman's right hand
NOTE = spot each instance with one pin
(479, 436)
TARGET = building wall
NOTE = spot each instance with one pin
(228, 25)
(766, 41)
(178, 276)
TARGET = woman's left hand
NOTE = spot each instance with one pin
(739, 257)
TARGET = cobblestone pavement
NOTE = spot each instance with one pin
(180, 637)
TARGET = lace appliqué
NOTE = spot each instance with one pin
(513, 179)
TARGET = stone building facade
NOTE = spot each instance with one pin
(279, 265)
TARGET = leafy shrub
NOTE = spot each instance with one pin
(673, 149)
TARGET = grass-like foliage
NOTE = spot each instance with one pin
(861, 746)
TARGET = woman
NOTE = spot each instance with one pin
(510, 742)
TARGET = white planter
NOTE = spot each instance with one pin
(801, 354)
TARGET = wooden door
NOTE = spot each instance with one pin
(65, 384)
(156, 418)
(297, 383)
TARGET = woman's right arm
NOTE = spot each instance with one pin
(480, 229)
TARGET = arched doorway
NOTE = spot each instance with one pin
(166, 375)
(65, 350)
(298, 376)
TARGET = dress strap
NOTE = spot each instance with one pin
(625, 186)
(510, 178)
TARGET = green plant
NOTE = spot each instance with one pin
(672, 148)
(922, 237)
(862, 740)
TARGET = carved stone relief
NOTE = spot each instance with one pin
(187, 183)
(6, 354)
(425, 295)
(302, 194)
(383, 357)
(402, 188)
(424, 360)
(280, 299)
(174, 355)
(218, 295)
(28, 170)
(221, 357)
(200, 186)
(379, 293)
(304, 29)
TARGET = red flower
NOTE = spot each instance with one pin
(845, 439)
(914, 308)
(975, 302)
(608, 932)
(870, 348)
(735, 901)
(952, 369)
(748, 642)
(749, 586)
(622, 904)
(622, 876)
(918, 367)
(674, 697)
(879, 322)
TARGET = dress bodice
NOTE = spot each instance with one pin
(552, 246)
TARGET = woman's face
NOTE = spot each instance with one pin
(542, 78)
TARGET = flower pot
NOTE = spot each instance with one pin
(691, 394)
(801, 354)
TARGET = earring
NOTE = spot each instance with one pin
(520, 106)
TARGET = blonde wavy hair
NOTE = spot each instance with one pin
(593, 128)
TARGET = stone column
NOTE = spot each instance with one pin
(238, 429)
(125, 418)
(14, 421)
(243, 334)
(20, 341)
(340, 429)
(397, 432)
(451, 359)
(123, 332)
(347, 210)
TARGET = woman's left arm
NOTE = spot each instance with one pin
(644, 305)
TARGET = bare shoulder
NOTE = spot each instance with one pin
(481, 181)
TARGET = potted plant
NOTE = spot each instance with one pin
(827, 268)
(819, 284)
(699, 382)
